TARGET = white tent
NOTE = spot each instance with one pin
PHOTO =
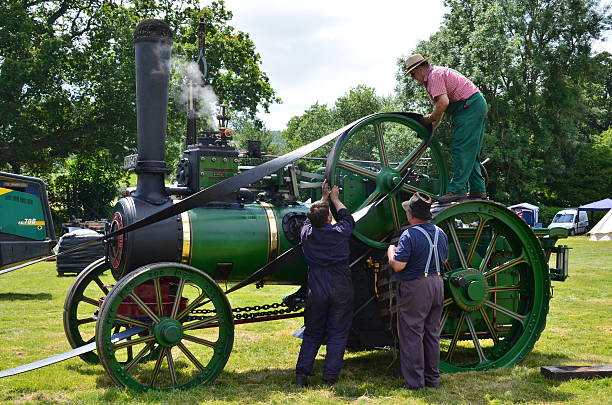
(603, 229)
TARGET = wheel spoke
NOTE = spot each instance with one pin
(475, 339)
(131, 321)
(200, 341)
(505, 288)
(415, 155)
(490, 326)
(158, 297)
(357, 169)
(101, 285)
(127, 343)
(139, 356)
(83, 321)
(130, 351)
(447, 302)
(447, 266)
(158, 363)
(489, 253)
(455, 238)
(505, 266)
(177, 298)
(453, 343)
(144, 307)
(371, 198)
(191, 306)
(190, 356)
(411, 189)
(381, 145)
(444, 318)
(171, 366)
(198, 324)
(91, 301)
(520, 318)
(395, 213)
(477, 236)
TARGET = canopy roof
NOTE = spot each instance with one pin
(601, 205)
(525, 205)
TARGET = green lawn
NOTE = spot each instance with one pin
(260, 369)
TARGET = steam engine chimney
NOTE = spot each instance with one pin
(153, 45)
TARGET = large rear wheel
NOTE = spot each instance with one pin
(497, 288)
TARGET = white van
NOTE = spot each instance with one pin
(576, 222)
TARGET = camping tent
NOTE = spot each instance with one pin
(603, 229)
(528, 212)
(601, 205)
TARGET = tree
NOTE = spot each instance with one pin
(532, 61)
(248, 129)
(67, 85)
(320, 120)
(67, 74)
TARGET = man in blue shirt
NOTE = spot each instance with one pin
(329, 307)
(418, 263)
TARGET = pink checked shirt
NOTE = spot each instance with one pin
(443, 80)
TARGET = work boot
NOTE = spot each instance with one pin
(329, 381)
(451, 197)
(479, 195)
(301, 380)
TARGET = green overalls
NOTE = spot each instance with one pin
(468, 120)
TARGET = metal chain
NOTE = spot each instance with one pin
(250, 312)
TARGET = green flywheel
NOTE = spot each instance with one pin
(372, 157)
(182, 317)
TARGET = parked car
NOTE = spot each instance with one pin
(576, 222)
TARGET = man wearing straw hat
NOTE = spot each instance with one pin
(418, 265)
(451, 92)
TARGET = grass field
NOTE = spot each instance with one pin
(260, 369)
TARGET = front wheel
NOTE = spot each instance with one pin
(173, 310)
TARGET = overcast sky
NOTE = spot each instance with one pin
(315, 50)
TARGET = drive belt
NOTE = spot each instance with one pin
(216, 192)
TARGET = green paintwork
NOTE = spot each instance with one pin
(362, 185)
(214, 169)
(240, 236)
(22, 214)
(512, 289)
(168, 332)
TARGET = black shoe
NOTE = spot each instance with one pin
(451, 197)
(481, 195)
(301, 380)
(408, 387)
(330, 382)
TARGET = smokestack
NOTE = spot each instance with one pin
(153, 45)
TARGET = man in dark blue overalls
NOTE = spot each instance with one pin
(418, 264)
(329, 306)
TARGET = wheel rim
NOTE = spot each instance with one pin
(372, 157)
(495, 315)
(189, 351)
(81, 305)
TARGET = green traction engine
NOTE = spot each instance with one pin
(162, 321)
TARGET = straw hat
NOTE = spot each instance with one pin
(419, 206)
(413, 61)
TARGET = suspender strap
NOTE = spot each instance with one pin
(433, 249)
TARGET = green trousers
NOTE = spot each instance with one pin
(468, 120)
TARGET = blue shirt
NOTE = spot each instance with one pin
(413, 248)
(328, 245)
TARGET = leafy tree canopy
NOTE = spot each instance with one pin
(67, 74)
(548, 95)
